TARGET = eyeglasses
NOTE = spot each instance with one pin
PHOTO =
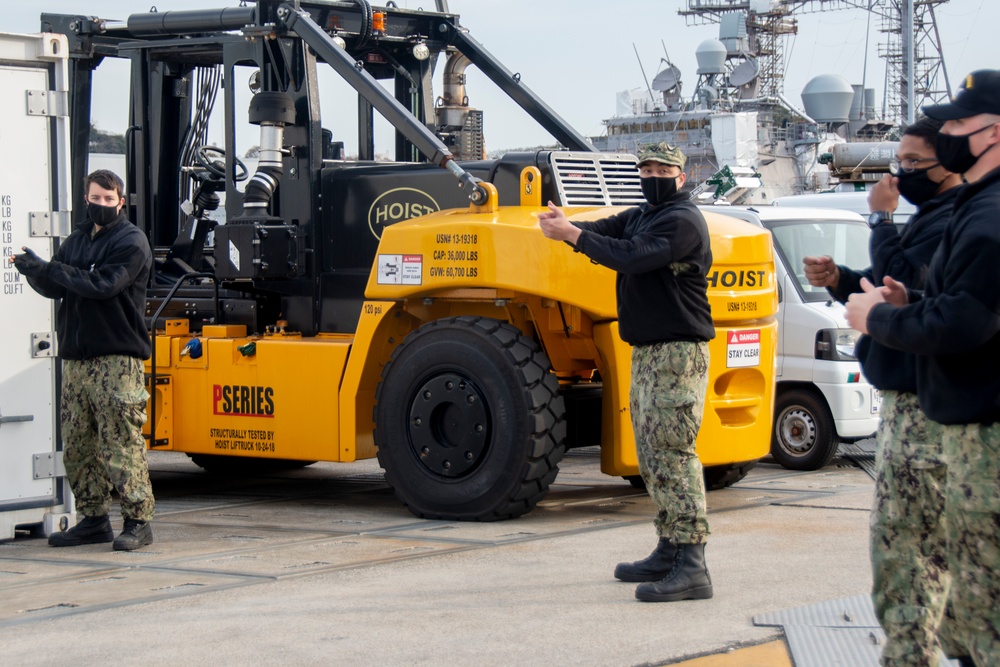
(911, 164)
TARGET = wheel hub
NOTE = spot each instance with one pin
(798, 432)
(449, 425)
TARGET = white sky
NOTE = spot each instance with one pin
(578, 54)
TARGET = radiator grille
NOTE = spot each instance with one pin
(596, 179)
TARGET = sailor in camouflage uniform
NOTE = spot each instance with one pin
(100, 273)
(954, 329)
(910, 577)
(662, 255)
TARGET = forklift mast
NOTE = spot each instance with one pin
(284, 41)
(285, 246)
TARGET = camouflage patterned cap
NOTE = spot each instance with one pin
(663, 152)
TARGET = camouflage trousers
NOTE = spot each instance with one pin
(908, 540)
(102, 413)
(667, 398)
(973, 518)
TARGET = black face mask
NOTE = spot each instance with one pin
(658, 190)
(916, 186)
(954, 153)
(101, 215)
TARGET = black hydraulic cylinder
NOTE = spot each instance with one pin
(521, 94)
(299, 22)
(193, 21)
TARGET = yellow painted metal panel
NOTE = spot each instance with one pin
(163, 396)
(505, 250)
(618, 455)
(736, 422)
(280, 402)
(771, 654)
(382, 326)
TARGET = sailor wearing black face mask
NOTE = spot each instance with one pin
(99, 274)
(954, 329)
(908, 542)
(661, 253)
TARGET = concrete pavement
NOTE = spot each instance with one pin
(323, 565)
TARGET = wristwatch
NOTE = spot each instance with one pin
(876, 218)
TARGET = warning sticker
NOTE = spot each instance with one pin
(400, 269)
(743, 348)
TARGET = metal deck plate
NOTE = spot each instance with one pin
(861, 453)
(842, 632)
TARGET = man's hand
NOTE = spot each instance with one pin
(884, 195)
(861, 303)
(894, 292)
(821, 271)
(556, 227)
(29, 264)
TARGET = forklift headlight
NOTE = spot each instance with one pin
(836, 344)
(420, 51)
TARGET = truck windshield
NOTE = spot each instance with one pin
(845, 241)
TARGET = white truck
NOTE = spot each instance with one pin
(821, 396)
(856, 202)
(34, 210)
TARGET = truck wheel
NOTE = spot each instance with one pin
(469, 422)
(804, 437)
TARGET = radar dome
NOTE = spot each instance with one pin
(711, 55)
(827, 98)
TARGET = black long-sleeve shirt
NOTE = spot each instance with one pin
(955, 328)
(101, 280)
(906, 257)
(662, 255)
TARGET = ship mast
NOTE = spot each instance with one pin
(912, 51)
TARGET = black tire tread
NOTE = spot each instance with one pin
(534, 370)
(720, 477)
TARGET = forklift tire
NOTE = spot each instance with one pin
(716, 477)
(244, 465)
(469, 422)
(635, 481)
(804, 437)
(720, 477)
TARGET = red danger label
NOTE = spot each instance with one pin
(744, 337)
(743, 348)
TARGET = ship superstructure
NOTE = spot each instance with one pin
(742, 133)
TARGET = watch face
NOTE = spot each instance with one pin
(875, 218)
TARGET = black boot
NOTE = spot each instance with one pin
(90, 530)
(653, 568)
(689, 580)
(136, 534)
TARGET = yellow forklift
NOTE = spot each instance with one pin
(342, 308)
